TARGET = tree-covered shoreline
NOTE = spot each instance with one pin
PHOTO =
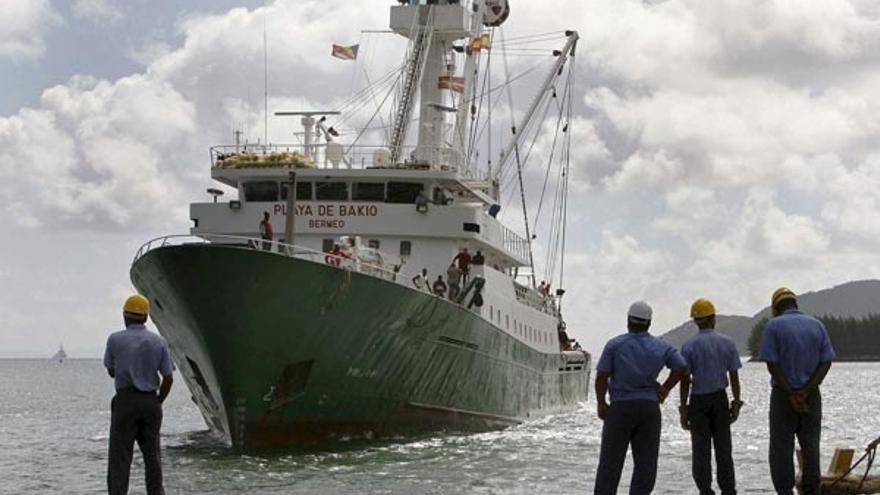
(854, 339)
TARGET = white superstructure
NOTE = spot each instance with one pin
(370, 192)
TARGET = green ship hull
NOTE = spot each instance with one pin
(280, 352)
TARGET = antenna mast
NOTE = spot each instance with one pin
(265, 85)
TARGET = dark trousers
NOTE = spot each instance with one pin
(709, 416)
(134, 417)
(628, 423)
(785, 424)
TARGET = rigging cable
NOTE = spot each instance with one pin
(361, 133)
(475, 115)
(549, 166)
(519, 167)
(560, 206)
(570, 85)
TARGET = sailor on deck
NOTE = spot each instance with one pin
(710, 356)
(631, 363)
(798, 353)
(134, 358)
(266, 232)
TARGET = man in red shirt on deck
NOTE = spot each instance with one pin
(464, 264)
(266, 232)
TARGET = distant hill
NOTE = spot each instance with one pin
(734, 326)
(857, 299)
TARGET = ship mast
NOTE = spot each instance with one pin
(432, 29)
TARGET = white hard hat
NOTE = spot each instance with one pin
(640, 310)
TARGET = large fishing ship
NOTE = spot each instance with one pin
(333, 324)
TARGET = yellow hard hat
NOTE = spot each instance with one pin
(780, 294)
(137, 305)
(702, 308)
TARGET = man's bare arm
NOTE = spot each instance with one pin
(601, 389)
(685, 389)
(671, 381)
(779, 377)
(601, 386)
(165, 387)
(734, 384)
(817, 377)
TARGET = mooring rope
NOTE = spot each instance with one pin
(870, 454)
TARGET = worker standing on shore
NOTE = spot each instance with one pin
(134, 358)
(629, 366)
(711, 357)
(798, 353)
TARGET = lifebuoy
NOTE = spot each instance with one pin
(331, 260)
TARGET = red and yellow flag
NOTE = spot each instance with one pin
(345, 52)
(481, 42)
(451, 82)
(485, 41)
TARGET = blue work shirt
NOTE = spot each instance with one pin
(710, 355)
(137, 357)
(634, 360)
(797, 343)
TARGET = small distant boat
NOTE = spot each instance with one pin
(60, 356)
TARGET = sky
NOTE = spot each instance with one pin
(720, 149)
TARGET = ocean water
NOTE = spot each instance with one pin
(54, 421)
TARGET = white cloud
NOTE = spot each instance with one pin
(98, 11)
(646, 171)
(724, 149)
(98, 150)
(149, 51)
(854, 204)
(23, 27)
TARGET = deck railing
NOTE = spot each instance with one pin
(328, 155)
(514, 243)
(277, 248)
(533, 298)
(524, 295)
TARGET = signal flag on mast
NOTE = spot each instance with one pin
(481, 42)
(451, 82)
(345, 52)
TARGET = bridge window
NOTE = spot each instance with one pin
(368, 191)
(471, 227)
(303, 191)
(331, 191)
(327, 245)
(403, 192)
(405, 248)
(261, 190)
